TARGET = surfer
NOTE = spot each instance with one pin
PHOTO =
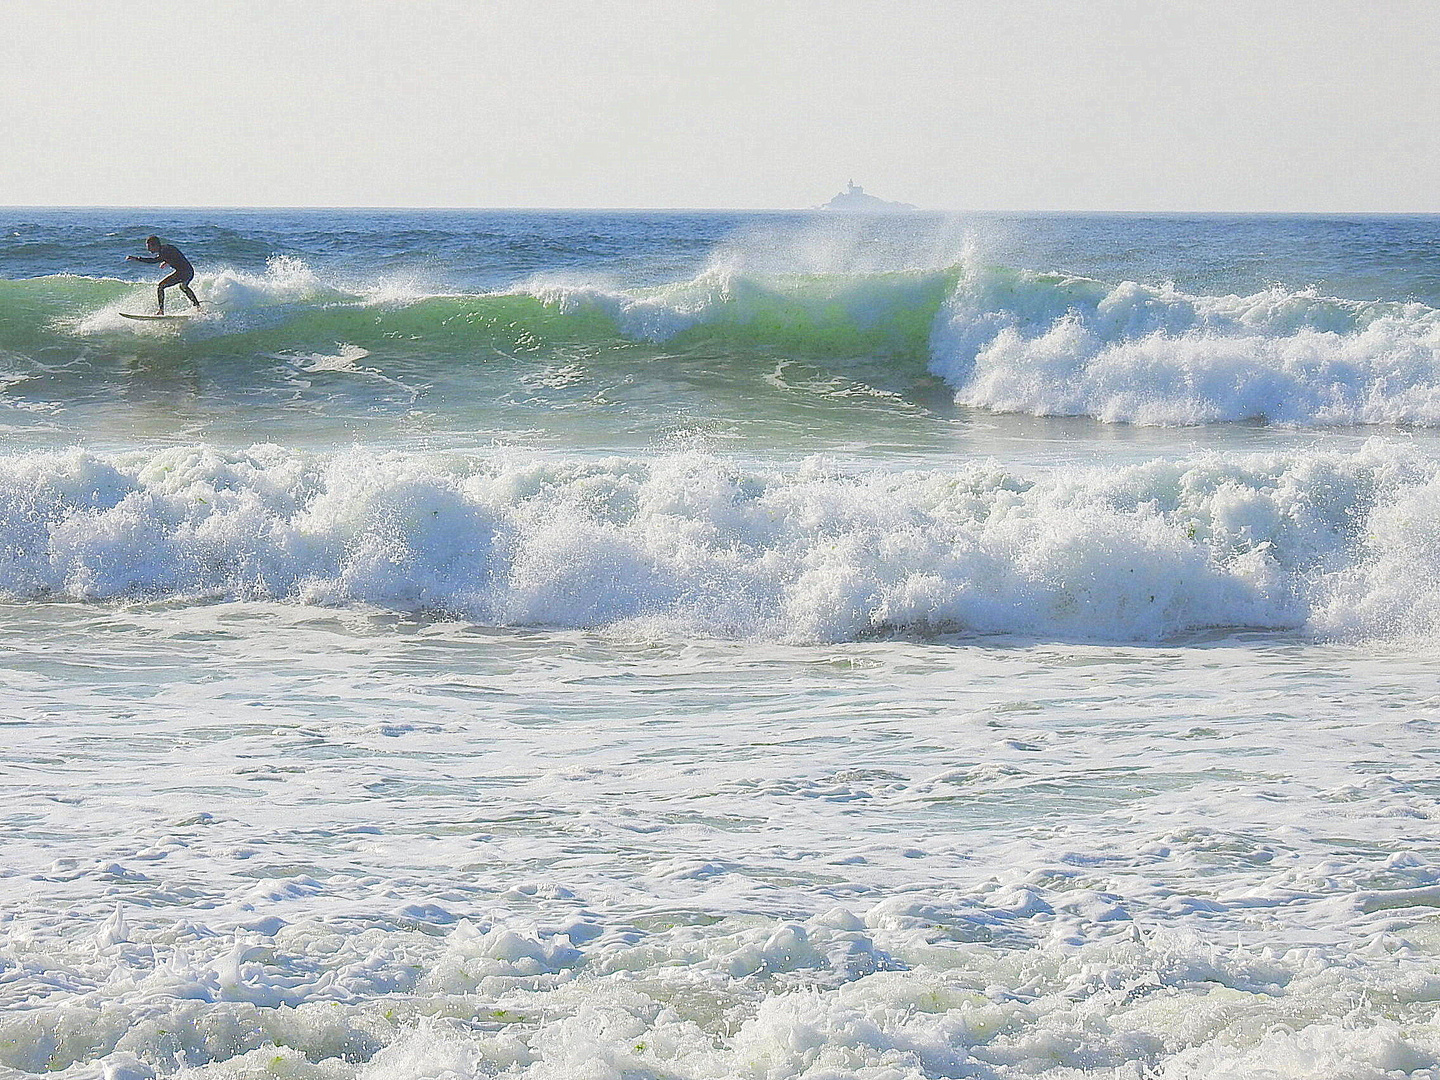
(181, 272)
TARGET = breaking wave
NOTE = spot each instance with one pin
(1004, 340)
(1325, 543)
(1051, 345)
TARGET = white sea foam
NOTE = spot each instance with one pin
(476, 1003)
(320, 853)
(346, 358)
(1064, 346)
(1331, 543)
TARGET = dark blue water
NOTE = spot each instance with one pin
(1356, 257)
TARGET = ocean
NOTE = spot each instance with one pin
(683, 646)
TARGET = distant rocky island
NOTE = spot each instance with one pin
(855, 198)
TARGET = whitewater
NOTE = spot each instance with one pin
(665, 645)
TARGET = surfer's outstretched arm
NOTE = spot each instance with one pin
(142, 258)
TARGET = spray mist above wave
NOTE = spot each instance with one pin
(1321, 542)
(1052, 345)
(838, 284)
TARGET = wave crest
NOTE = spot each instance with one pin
(819, 314)
(1003, 340)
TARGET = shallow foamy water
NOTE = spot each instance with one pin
(279, 841)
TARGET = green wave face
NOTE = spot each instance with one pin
(888, 315)
(284, 355)
(729, 344)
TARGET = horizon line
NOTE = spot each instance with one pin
(917, 211)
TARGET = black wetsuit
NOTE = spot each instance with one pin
(181, 273)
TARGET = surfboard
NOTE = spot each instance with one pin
(127, 315)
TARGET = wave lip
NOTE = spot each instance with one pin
(1051, 345)
(838, 314)
(688, 543)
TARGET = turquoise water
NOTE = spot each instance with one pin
(708, 645)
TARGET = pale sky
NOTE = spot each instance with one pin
(993, 105)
